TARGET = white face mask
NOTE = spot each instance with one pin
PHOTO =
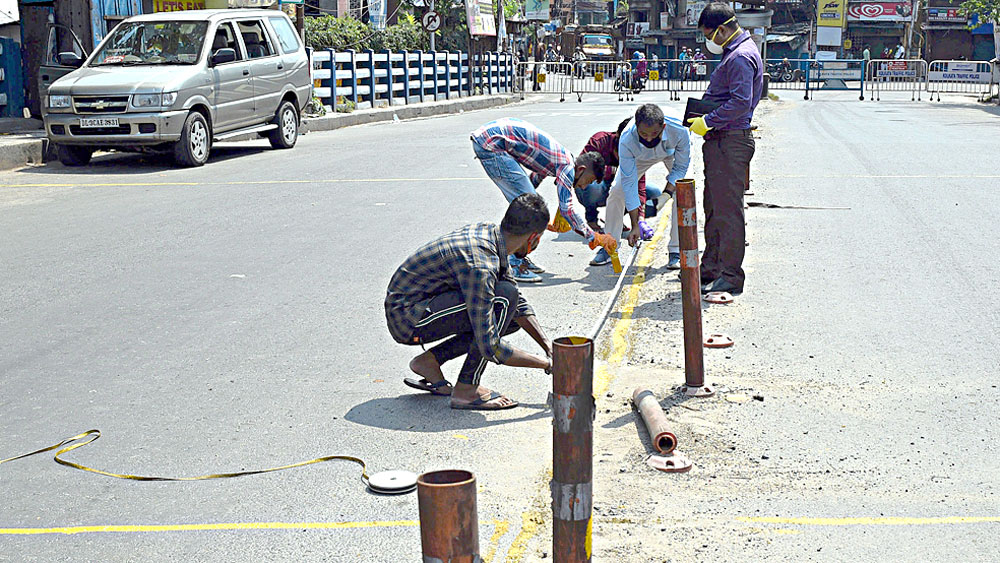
(714, 47)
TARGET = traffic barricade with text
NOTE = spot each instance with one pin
(896, 76)
(835, 75)
(544, 78)
(960, 77)
(787, 74)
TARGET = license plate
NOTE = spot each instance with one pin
(99, 122)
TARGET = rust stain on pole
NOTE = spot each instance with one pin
(572, 448)
(449, 523)
(694, 360)
(656, 422)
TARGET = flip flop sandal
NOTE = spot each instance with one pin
(480, 404)
(424, 385)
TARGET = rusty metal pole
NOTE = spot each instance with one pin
(656, 422)
(687, 231)
(449, 523)
(572, 448)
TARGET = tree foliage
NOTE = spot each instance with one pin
(987, 10)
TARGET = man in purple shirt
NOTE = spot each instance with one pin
(736, 85)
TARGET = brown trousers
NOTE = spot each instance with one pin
(727, 175)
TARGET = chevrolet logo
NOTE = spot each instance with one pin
(100, 104)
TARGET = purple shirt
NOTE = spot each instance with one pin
(737, 83)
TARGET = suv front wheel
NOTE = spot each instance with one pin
(74, 156)
(287, 120)
(195, 143)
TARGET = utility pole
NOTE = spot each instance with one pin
(300, 21)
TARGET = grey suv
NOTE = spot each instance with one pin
(177, 81)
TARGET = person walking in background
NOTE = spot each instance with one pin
(736, 85)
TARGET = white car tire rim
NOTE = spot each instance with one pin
(288, 125)
(198, 140)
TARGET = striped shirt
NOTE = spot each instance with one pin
(469, 260)
(537, 151)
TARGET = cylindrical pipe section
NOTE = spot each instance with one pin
(449, 523)
(687, 230)
(656, 422)
(572, 448)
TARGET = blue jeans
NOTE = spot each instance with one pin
(505, 172)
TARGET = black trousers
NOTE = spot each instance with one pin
(727, 173)
(447, 316)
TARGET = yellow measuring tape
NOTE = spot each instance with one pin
(93, 435)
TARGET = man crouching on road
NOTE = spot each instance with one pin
(460, 287)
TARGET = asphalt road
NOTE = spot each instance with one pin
(230, 318)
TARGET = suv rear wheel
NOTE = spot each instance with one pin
(287, 120)
(195, 143)
(70, 155)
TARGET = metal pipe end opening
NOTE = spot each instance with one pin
(446, 478)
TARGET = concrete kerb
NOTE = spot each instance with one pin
(18, 152)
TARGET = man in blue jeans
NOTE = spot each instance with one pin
(505, 145)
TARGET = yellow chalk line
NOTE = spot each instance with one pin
(243, 183)
(871, 521)
(602, 376)
(208, 527)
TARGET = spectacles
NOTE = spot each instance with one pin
(712, 38)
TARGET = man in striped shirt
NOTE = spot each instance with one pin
(459, 289)
(506, 145)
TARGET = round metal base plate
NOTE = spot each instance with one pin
(675, 462)
(718, 341)
(393, 482)
(703, 391)
(718, 297)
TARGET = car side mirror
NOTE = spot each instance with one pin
(223, 56)
(69, 58)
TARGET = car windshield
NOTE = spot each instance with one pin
(152, 43)
(597, 40)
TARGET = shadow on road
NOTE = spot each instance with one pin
(130, 164)
(429, 413)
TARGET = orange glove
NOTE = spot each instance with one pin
(607, 241)
(559, 224)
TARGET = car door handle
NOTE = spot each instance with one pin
(246, 72)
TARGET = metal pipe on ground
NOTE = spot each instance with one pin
(449, 522)
(572, 448)
(656, 422)
(687, 230)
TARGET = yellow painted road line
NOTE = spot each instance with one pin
(500, 528)
(872, 521)
(602, 376)
(211, 527)
(243, 183)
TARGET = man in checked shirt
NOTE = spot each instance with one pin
(505, 145)
(460, 289)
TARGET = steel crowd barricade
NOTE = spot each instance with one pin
(603, 77)
(960, 77)
(896, 75)
(691, 75)
(368, 79)
(835, 75)
(544, 78)
(787, 75)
